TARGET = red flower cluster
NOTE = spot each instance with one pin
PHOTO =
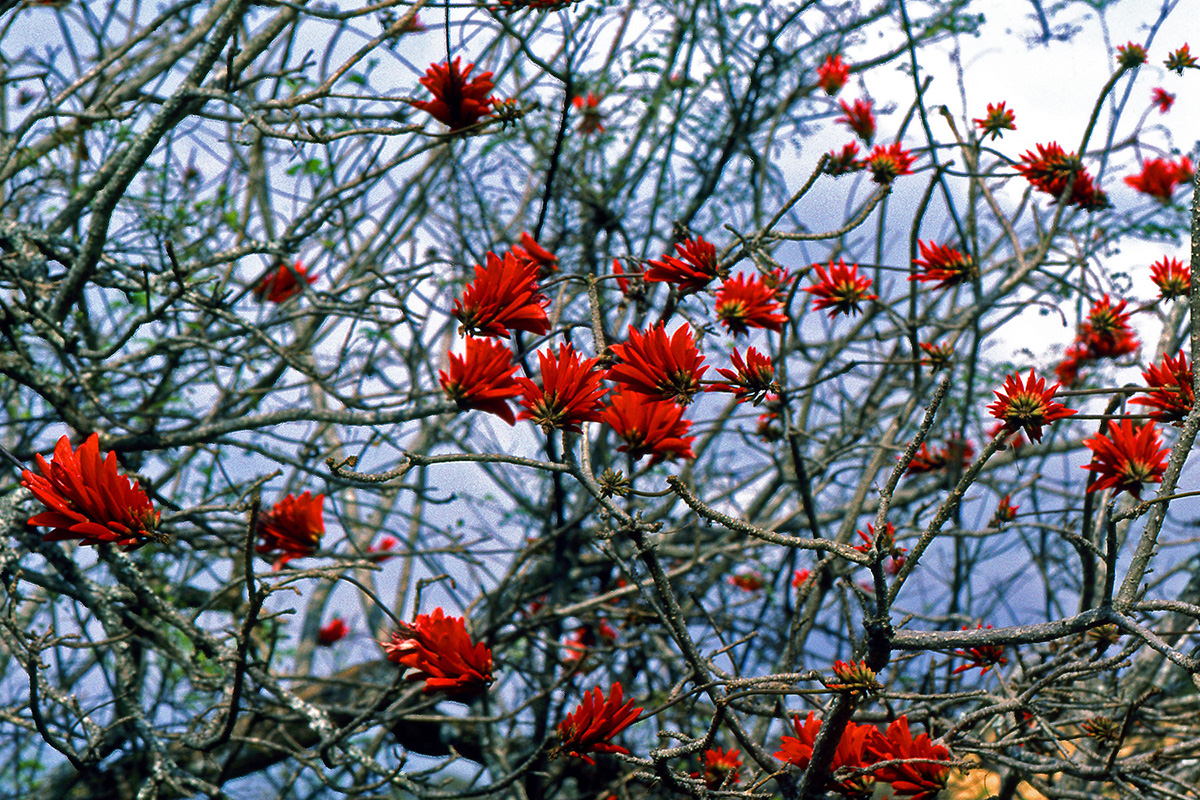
(591, 119)
(569, 395)
(840, 289)
(1180, 59)
(482, 379)
(577, 647)
(983, 657)
(1126, 458)
(888, 163)
(1028, 406)
(334, 631)
(1159, 177)
(937, 356)
(292, 527)
(1130, 55)
(457, 102)
(1052, 168)
(1106, 332)
(649, 426)
(928, 460)
(751, 379)
(664, 369)
(748, 580)
(920, 778)
(439, 651)
(282, 284)
(89, 500)
(530, 251)
(800, 577)
(693, 268)
(744, 303)
(859, 119)
(721, 767)
(1162, 98)
(942, 263)
(832, 75)
(1170, 395)
(852, 753)
(503, 297)
(1173, 278)
(844, 162)
(1005, 511)
(594, 722)
(998, 120)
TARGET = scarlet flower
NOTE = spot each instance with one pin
(859, 119)
(457, 102)
(664, 369)
(1028, 406)
(937, 356)
(799, 577)
(89, 500)
(721, 766)
(482, 379)
(1180, 59)
(1106, 332)
(1126, 458)
(1075, 357)
(649, 426)
(292, 527)
(844, 162)
(885, 541)
(1162, 98)
(1159, 177)
(998, 120)
(328, 634)
(1170, 395)
(853, 676)
(832, 75)
(1131, 55)
(569, 395)
(594, 722)
(1005, 511)
(749, 580)
(530, 251)
(1052, 168)
(381, 551)
(983, 656)
(1173, 278)
(694, 268)
(942, 263)
(840, 289)
(622, 281)
(439, 651)
(748, 303)
(503, 297)
(281, 284)
(888, 163)
(853, 753)
(751, 379)
(928, 460)
(920, 778)
(591, 120)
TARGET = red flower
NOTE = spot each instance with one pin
(1170, 395)
(89, 500)
(1052, 168)
(503, 297)
(942, 263)
(998, 120)
(983, 657)
(482, 379)
(927, 460)
(1005, 511)
(439, 651)
(458, 102)
(1028, 406)
(1159, 177)
(335, 630)
(887, 163)
(569, 395)
(1106, 332)
(751, 379)
(1180, 59)
(799, 577)
(593, 722)
(748, 303)
(1162, 98)
(652, 364)
(281, 283)
(853, 676)
(622, 281)
(530, 251)
(381, 551)
(591, 120)
(845, 161)
(853, 752)
(721, 765)
(832, 75)
(919, 778)
(859, 119)
(694, 268)
(840, 289)
(292, 527)
(887, 538)
(649, 426)
(749, 580)
(1126, 458)
(1075, 357)
(937, 356)
(1131, 55)
(1173, 278)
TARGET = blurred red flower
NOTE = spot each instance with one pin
(1051, 169)
(591, 119)
(281, 284)
(859, 119)
(983, 656)
(457, 102)
(748, 580)
(1172, 277)
(1028, 406)
(720, 765)
(1126, 457)
(852, 753)
(1131, 55)
(1170, 394)
(1180, 59)
(569, 395)
(1162, 98)
(998, 120)
(832, 75)
(89, 500)
(1106, 332)
(844, 162)
(439, 651)
(1005, 511)
(660, 367)
(929, 460)
(744, 303)
(919, 778)
(503, 297)
(889, 162)
(942, 263)
(840, 289)
(937, 356)
(649, 426)
(751, 379)
(381, 551)
(530, 251)
(292, 527)
(799, 577)
(594, 722)
(1159, 177)
(693, 269)
(482, 379)
(332, 632)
